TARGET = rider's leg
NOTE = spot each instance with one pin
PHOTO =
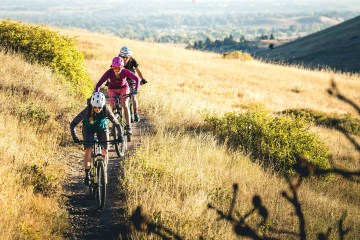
(112, 93)
(105, 153)
(88, 135)
(87, 157)
(103, 135)
(124, 104)
(135, 106)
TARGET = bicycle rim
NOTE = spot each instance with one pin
(101, 189)
(120, 148)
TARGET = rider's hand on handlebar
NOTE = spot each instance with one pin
(143, 81)
(134, 91)
(76, 139)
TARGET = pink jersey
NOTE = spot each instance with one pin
(117, 83)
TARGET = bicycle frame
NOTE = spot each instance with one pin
(119, 114)
(98, 172)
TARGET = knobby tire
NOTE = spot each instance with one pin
(120, 148)
(101, 185)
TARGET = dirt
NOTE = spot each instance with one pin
(87, 222)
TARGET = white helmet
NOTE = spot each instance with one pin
(97, 99)
(125, 51)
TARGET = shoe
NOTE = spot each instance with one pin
(136, 117)
(87, 180)
(128, 130)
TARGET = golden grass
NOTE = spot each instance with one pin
(24, 143)
(174, 176)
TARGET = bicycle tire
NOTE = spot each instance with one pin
(101, 185)
(92, 185)
(120, 148)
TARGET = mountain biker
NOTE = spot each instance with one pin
(131, 64)
(119, 87)
(95, 118)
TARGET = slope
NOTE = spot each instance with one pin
(337, 47)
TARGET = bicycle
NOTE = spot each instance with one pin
(98, 172)
(120, 148)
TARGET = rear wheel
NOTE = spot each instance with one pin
(101, 186)
(120, 148)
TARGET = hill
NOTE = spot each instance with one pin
(175, 190)
(337, 47)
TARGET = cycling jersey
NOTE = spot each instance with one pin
(95, 122)
(117, 83)
(131, 65)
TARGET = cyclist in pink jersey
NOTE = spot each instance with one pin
(119, 87)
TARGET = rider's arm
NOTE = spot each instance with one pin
(78, 119)
(110, 115)
(129, 74)
(104, 77)
(137, 69)
(135, 65)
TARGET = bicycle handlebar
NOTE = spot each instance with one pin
(97, 141)
(126, 95)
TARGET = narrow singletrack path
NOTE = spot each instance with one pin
(87, 222)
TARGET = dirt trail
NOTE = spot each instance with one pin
(86, 221)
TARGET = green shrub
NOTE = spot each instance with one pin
(238, 55)
(275, 140)
(48, 48)
(33, 114)
(42, 181)
(336, 121)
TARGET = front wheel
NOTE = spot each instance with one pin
(120, 148)
(101, 186)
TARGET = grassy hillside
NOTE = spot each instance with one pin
(176, 172)
(35, 106)
(174, 189)
(337, 47)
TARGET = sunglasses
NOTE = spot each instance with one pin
(97, 108)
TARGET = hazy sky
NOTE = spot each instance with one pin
(212, 6)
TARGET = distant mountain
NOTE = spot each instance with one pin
(337, 47)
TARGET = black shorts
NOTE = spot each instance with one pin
(131, 82)
(102, 135)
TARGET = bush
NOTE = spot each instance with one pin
(340, 122)
(42, 181)
(237, 55)
(274, 140)
(47, 48)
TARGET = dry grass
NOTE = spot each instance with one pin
(27, 213)
(174, 176)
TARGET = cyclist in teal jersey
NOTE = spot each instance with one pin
(95, 118)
